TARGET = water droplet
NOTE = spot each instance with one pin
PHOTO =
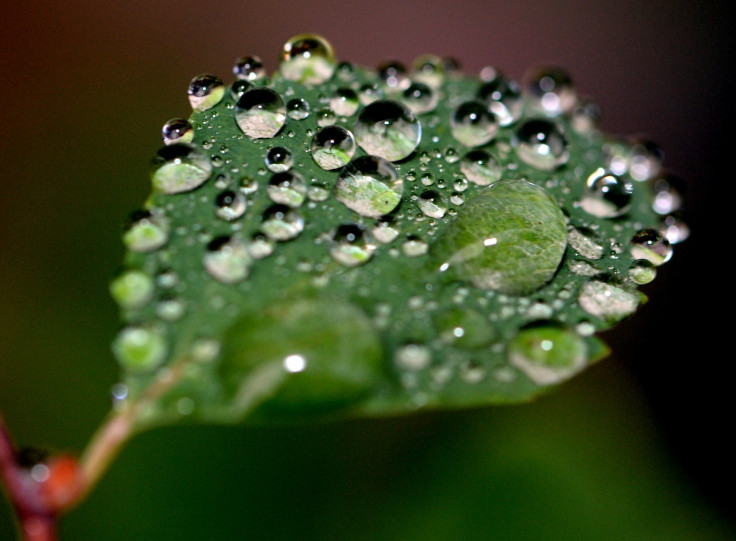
(548, 354)
(325, 117)
(413, 357)
(260, 113)
(674, 229)
(586, 242)
(642, 271)
(413, 246)
(170, 309)
(369, 92)
(393, 75)
(298, 109)
(132, 289)
(607, 301)
(370, 186)
(260, 246)
(307, 58)
(586, 117)
(146, 232)
(429, 69)
(248, 185)
(385, 233)
(249, 68)
(464, 328)
(420, 98)
(344, 102)
(205, 91)
(140, 349)
(177, 130)
(480, 167)
(432, 204)
(541, 144)
(227, 260)
(651, 245)
(667, 194)
(281, 223)
(179, 168)
(550, 91)
(288, 189)
(230, 205)
(279, 159)
(510, 238)
(351, 245)
(645, 159)
(333, 147)
(502, 95)
(240, 87)
(388, 129)
(472, 124)
(606, 195)
(318, 192)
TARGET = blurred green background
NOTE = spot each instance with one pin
(637, 448)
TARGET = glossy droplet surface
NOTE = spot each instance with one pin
(308, 59)
(541, 144)
(177, 130)
(344, 102)
(432, 204)
(227, 260)
(370, 186)
(281, 223)
(279, 159)
(502, 95)
(260, 113)
(351, 245)
(420, 98)
(132, 289)
(288, 189)
(548, 354)
(146, 232)
(230, 205)
(550, 91)
(140, 349)
(510, 238)
(472, 124)
(606, 195)
(388, 129)
(179, 168)
(298, 109)
(607, 301)
(249, 68)
(333, 147)
(651, 245)
(481, 167)
(205, 91)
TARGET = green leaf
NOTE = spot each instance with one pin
(451, 277)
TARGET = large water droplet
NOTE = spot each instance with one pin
(472, 124)
(260, 113)
(432, 204)
(307, 58)
(344, 102)
(510, 238)
(541, 144)
(351, 245)
(548, 354)
(502, 95)
(480, 167)
(388, 129)
(140, 349)
(333, 147)
(550, 90)
(177, 130)
(205, 91)
(607, 301)
(179, 168)
(227, 260)
(281, 223)
(606, 195)
(146, 231)
(132, 289)
(288, 189)
(651, 245)
(370, 186)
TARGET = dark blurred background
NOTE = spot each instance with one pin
(638, 447)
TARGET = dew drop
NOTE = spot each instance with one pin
(230, 205)
(344, 102)
(249, 68)
(170, 309)
(368, 93)
(420, 98)
(351, 245)
(260, 246)
(463, 328)
(177, 130)
(674, 229)
(318, 192)
(541, 144)
(586, 242)
(205, 91)
(414, 247)
(240, 87)
(651, 245)
(502, 95)
(179, 168)
(260, 113)
(388, 129)
(607, 301)
(429, 69)
(227, 260)
(393, 75)
(370, 186)
(667, 194)
(140, 349)
(308, 59)
(586, 117)
(472, 124)
(146, 231)
(550, 91)
(325, 117)
(642, 271)
(281, 223)
(333, 147)
(132, 289)
(385, 233)
(548, 354)
(480, 167)
(606, 195)
(645, 160)
(279, 159)
(413, 357)
(288, 189)
(298, 109)
(432, 204)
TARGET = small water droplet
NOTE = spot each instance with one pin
(667, 194)
(393, 75)
(260, 113)
(607, 301)
(351, 245)
(541, 144)
(480, 167)
(586, 117)
(370, 186)
(178, 168)
(177, 130)
(132, 289)
(550, 91)
(146, 231)
(240, 87)
(307, 58)
(325, 117)
(586, 242)
(645, 159)
(388, 129)
(385, 233)
(344, 102)
(606, 195)
(429, 69)
(260, 246)
(642, 271)
(548, 353)
(414, 247)
(279, 159)
(432, 204)
(318, 192)
(333, 147)
(413, 357)
(230, 205)
(249, 68)
(227, 260)
(369, 92)
(472, 124)
(420, 98)
(205, 91)
(651, 245)
(281, 223)
(170, 309)
(502, 95)
(140, 349)
(288, 189)
(298, 109)
(674, 229)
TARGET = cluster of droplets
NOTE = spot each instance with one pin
(420, 156)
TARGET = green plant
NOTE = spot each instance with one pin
(332, 242)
